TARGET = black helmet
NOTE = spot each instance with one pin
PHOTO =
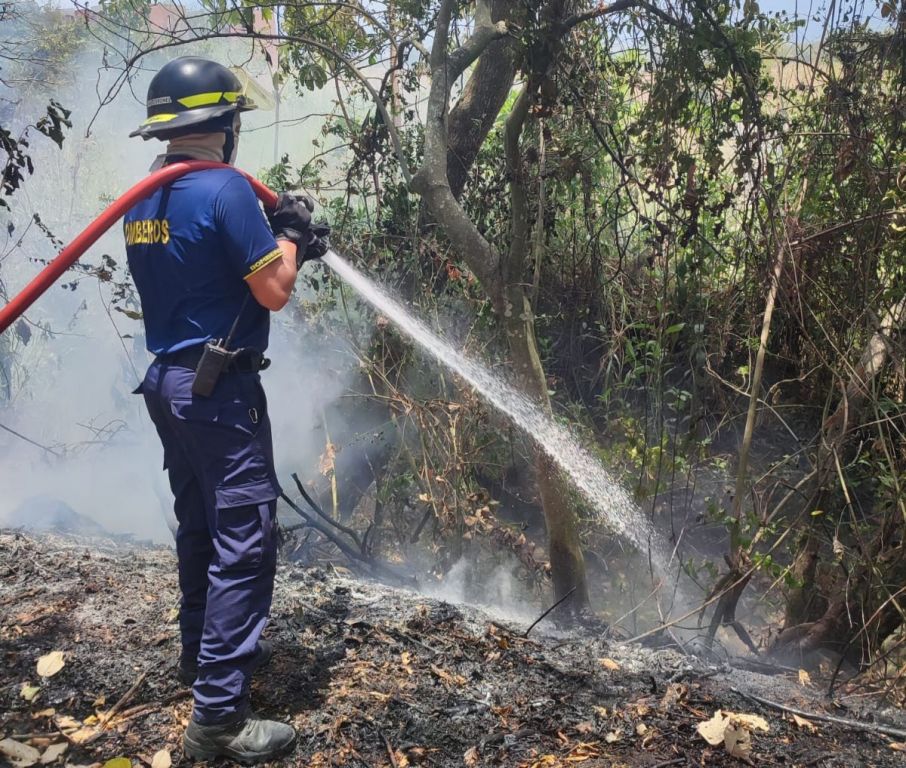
(188, 92)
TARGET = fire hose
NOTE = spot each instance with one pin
(113, 213)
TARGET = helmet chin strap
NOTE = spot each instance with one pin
(231, 140)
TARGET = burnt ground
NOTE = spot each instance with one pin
(370, 676)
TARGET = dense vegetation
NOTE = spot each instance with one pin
(679, 226)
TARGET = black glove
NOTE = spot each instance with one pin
(291, 218)
(317, 245)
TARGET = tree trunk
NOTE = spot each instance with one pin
(481, 100)
(801, 599)
(862, 608)
(567, 561)
(502, 279)
(564, 546)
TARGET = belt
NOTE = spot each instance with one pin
(245, 360)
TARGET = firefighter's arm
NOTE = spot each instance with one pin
(272, 284)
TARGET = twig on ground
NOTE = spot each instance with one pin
(390, 753)
(817, 759)
(501, 736)
(141, 709)
(541, 617)
(400, 635)
(856, 725)
(16, 597)
(111, 713)
(764, 667)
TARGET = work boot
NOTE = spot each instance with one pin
(187, 670)
(250, 740)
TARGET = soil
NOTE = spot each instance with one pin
(374, 676)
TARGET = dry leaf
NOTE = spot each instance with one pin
(733, 730)
(582, 752)
(898, 746)
(82, 735)
(805, 724)
(752, 722)
(20, 755)
(738, 740)
(804, 677)
(609, 664)
(447, 677)
(65, 722)
(675, 692)
(613, 736)
(713, 730)
(29, 691)
(470, 758)
(54, 752)
(51, 663)
(585, 727)
(161, 759)
(49, 712)
(641, 729)
(326, 462)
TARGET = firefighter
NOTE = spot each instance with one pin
(209, 270)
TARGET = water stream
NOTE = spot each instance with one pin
(595, 483)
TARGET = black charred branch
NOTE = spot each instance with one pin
(338, 534)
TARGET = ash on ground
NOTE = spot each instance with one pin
(373, 676)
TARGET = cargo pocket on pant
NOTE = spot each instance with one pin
(229, 444)
(243, 535)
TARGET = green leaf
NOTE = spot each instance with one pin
(118, 762)
(675, 328)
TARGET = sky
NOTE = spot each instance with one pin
(809, 8)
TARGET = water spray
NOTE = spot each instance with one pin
(587, 473)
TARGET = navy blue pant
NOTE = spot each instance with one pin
(219, 456)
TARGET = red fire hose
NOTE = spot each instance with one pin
(113, 213)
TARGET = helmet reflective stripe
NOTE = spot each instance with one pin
(206, 99)
(158, 119)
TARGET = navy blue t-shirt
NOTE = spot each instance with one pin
(190, 246)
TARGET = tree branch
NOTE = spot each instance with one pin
(431, 181)
(624, 5)
(485, 32)
(596, 13)
(395, 140)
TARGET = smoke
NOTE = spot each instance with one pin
(495, 587)
(71, 367)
